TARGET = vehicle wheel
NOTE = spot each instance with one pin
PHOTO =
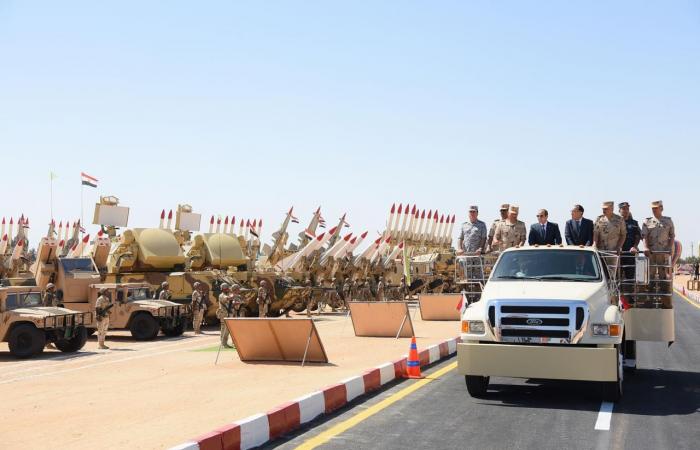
(90, 331)
(612, 390)
(26, 340)
(177, 330)
(75, 343)
(476, 385)
(629, 354)
(143, 327)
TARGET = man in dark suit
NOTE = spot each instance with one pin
(579, 230)
(544, 232)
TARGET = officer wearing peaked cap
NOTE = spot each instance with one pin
(659, 234)
(492, 231)
(472, 241)
(609, 231)
(510, 232)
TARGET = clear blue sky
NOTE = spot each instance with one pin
(247, 108)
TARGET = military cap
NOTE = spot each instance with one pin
(505, 206)
(657, 204)
(473, 208)
(623, 205)
(164, 284)
(50, 286)
(608, 204)
(514, 209)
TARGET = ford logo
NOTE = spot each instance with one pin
(534, 321)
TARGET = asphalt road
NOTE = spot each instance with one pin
(659, 410)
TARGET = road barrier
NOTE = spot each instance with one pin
(439, 306)
(381, 319)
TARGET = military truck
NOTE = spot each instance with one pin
(135, 310)
(555, 312)
(27, 326)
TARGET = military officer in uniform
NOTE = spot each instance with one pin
(609, 231)
(659, 234)
(102, 307)
(264, 298)
(492, 230)
(225, 309)
(634, 235)
(472, 241)
(199, 307)
(510, 232)
(165, 292)
(50, 298)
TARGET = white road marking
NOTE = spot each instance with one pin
(604, 416)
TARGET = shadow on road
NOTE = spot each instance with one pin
(648, 392)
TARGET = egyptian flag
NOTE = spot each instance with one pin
(253, 231)
(87, 180)
(625, 303)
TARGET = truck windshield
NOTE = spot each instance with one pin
(138, 294)
(76, 265)
(547, 265)
(23, 300)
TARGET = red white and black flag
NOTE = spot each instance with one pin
(87, 180)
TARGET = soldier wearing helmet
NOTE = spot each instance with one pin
(199, 306)
(264, 298)
(224, 310)
(50, 298)
(165, 292)
(102, 306)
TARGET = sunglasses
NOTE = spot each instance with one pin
(541, 215)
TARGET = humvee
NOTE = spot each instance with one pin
(28, 326)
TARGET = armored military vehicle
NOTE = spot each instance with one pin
(27, 326)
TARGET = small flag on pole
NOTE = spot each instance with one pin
(52, 175)
(88, 180)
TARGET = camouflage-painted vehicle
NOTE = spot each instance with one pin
(433, 273)
(135, 309)
(27, 326)
(287, 296)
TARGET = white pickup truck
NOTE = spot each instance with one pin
(550, 312)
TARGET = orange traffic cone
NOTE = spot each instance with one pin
(413, 363)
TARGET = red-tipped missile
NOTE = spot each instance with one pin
(393, 208)
(162, 215)
(364, 235)
(400, 208)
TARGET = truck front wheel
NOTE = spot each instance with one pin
(26, 340)
(612, 390)
(175, 330)
(476, 385)
(143, 327)
(73, 344)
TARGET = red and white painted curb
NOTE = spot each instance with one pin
(259, 429)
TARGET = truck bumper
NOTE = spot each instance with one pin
(533, 361)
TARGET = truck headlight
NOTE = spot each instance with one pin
(603, 329)
(473, 326)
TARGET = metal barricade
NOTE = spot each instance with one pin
(471, 273)
(645, 281)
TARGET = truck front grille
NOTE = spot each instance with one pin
(543, 322)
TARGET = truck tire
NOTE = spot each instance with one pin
(612, 390)
(75, 343)
(26, 340)
(143, 327)
(175, 331)
(476, 385)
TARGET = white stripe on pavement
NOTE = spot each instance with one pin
(604, 416)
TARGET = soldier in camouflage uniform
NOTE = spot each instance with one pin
(492, 230)
(50, 298)
(264, 298)
(224, 310)
(199, 306)
(381, 287)
(609, 230)
(347, 291)
(102, 307)
(472, 241)
(659, 235)
(165, 292)
(510, 232)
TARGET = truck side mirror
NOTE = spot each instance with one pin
(641, 269)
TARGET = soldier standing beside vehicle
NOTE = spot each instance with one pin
(224, 310)
(165, 292)
(634, 235)
(199, 307)
(264, 300)
(102, 307)
(510, 232)
(380, 289)
(659, 234)
(492, 231)
(472, 241)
